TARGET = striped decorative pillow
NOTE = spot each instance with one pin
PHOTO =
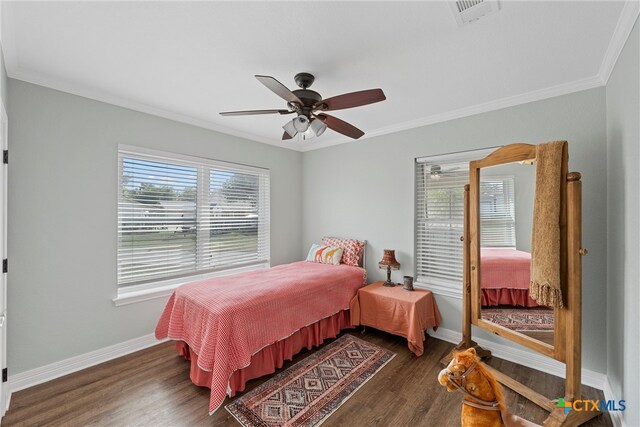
(325, 254)
(352, 249)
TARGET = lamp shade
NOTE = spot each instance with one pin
(301, 123)
(318, 127)
(389, 260)
(290, 129)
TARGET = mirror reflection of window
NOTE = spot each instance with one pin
(497, 212)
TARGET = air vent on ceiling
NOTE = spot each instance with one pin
(466, 11)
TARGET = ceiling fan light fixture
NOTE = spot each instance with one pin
(318, 127)
(289, 128)
(301, 123)
(436, 172)
(306, 135)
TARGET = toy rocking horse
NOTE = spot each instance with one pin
(483, 404)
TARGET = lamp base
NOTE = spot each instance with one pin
(389, 283)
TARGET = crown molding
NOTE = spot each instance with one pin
(627, 20)
(498, 104)
(96, 95)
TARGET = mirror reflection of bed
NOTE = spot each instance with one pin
(506, 212)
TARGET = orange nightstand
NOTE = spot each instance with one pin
(394, 310)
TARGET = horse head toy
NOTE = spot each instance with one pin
(483, 404)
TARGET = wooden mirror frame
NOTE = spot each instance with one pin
(506, 155)
(567, 346)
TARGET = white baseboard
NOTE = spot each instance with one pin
(525, 358)
(7, 401)
(54, 370)
(616, 416)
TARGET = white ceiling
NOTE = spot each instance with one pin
(189, 61)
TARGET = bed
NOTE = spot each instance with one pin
(505, 277)
(239, 327)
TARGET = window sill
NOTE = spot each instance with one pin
(161, 289)
(447, 290)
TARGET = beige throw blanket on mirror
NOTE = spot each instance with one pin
(545, 242)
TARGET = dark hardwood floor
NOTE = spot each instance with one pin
(152, 388)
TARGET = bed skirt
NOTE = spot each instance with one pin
(272, 357)
(503, 296)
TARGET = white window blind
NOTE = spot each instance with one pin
(179, 215)
(497, 212)
(439, 221)
(439, 216)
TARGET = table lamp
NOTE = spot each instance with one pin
(390, 263)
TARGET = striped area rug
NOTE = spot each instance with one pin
(307, 393)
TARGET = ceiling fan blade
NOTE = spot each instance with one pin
(340, 126)
(253, 112)
(286, 136)
(354, 99)
(279, 89)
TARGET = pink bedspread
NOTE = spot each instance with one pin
(273, 356)
(505, 277)
(225, 320)
(514, 297)
(505, 268)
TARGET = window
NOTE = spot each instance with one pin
(439, 216)
(180, 216)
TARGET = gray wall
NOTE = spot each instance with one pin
(623, 234)
(3, 80)
(62, 217)
(373, 197)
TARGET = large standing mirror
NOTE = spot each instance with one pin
(502, 191)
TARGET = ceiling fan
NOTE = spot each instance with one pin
(309, 107)
(436, 171)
